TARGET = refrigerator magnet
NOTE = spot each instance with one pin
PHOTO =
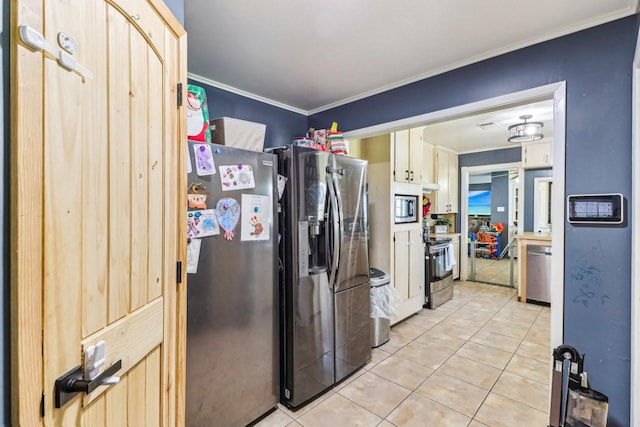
(193, 255)
(228, 213)
(204, 159)
(256, 217)
(197, 195)
(202, 223)
(236, 177)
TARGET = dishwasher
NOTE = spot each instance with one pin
(539, 274)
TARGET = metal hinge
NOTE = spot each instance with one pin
(42, 406)
(179, 90)
(179, 272)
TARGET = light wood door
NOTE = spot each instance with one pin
(98, 194)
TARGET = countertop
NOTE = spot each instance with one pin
(530, 235)
(444, 234)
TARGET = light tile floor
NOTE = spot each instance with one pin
(495, 270)
(481, 359)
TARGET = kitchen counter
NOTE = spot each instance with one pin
(447, 235)
(524, 239)
(529, 235)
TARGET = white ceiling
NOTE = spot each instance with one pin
(464, 134)
(307, 56)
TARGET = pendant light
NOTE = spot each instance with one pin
(526, 131)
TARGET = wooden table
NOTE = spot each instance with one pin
(524, 239)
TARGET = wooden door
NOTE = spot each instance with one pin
(98, 194)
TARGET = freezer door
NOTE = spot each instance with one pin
(307, 296)
(353, 331)
(350, 181)
(312, 345)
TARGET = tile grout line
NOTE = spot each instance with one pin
(440, 365)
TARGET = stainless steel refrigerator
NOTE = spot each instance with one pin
(232, 321)
(324, 281)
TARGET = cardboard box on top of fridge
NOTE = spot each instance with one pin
(238, 133)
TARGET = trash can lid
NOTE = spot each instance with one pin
(378, 277)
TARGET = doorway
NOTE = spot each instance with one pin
(554, 91)
(489, 217)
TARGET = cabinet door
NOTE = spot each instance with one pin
(453, 182)
(400, 257)
(536, 155)
(442, 178)
(427, 163)
(416, 263)
(401, 159)
(415, 155)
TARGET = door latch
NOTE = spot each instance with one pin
(87, 379)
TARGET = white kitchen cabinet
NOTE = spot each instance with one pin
(446, 173)
(408, 271)
(537, 154)
(407, 146)
(427, 163)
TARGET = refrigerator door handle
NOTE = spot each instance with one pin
(335, 243)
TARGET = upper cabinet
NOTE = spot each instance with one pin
(427, 163)
(407, 146)
(537, 154)
(446, 173)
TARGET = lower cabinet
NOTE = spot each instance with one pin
(408, 270)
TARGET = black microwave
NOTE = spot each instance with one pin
(405, 208)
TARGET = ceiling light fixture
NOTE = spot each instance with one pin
(525, 132)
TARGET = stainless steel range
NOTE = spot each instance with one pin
(438, 272)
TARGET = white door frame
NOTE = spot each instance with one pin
(635, 241)
(558, 92)
(536, 199)
(464, 204)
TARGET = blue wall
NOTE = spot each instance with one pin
(494, 157)
(177, 7)
(596, 64)
(282, 125)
